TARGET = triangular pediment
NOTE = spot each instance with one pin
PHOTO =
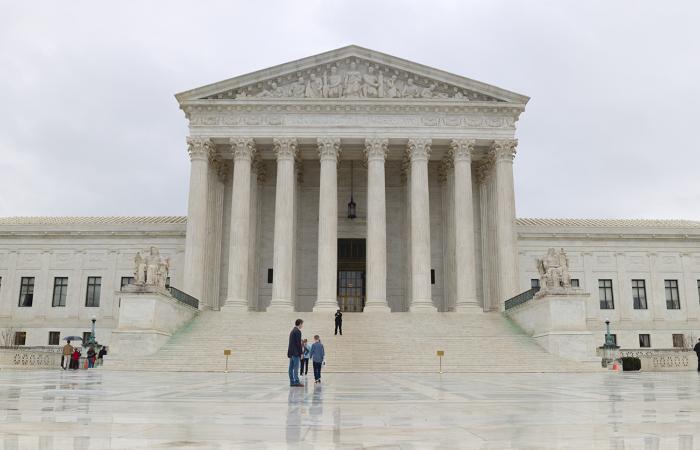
(352, 73)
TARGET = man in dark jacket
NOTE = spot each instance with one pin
(339, 322)
(294, 352)
(697, 352)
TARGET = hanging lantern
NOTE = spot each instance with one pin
(352, 207)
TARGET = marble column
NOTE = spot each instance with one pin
(217, 177)
(327, 288)
(465, 261)
(200, 150)
(283, 240)
(503, 152)
(376, 150)
(421, 290)
(239, 240)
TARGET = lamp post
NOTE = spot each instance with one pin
(92, 334)
(609, 347)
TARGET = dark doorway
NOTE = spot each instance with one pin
(351, 274)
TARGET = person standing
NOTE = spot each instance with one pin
(339, 322)
(305, 358)
(75, 359)
(318, 354)
(91, 354)
(294, 352)
(697, 352)
(66, 357)
(101, 354)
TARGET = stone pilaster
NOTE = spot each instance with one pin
(465, 260)
(688, 298)
(376, 150)
(200, 150)
(328, 152)
(503, 152)
(243, 153)
(421, 300)
(283, 253)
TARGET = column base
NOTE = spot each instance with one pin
(325, 307)
(468, 307)
(423, 307)
(280, 306)
(376, 306)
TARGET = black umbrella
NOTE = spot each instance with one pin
(72, 338)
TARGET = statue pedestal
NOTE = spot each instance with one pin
(148, 317)
(557, 322)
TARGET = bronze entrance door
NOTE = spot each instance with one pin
(351, 275)
(351, 290)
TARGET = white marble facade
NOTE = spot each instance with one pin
(432, 161)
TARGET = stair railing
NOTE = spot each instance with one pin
(183, 297)
(521, 298)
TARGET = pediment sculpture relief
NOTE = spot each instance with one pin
(353, 80)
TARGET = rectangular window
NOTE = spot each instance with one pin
(678, 341)
(644, 341)
(26, 292)
(575, 283)
(672, 299)
(639, 294)
(269, 276)
(92, 296)
(432, 276)
(605, 292)
(54, 337)
(125, 281)
(86, 336)
(534, 283)
(167, 283)
(20, 337)
(60, 290)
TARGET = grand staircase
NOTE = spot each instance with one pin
(372, 342)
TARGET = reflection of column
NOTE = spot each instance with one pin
(243, 152)
(195, 239)
(283, 255)
(421, 300)
(503, 152)
(328, 151)
(376, 150)
(465, 260)
(688, 298)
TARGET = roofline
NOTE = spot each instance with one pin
(360, 52)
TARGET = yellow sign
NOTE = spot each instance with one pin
(441, 353)
(227, 352)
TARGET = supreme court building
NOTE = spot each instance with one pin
(358, 180)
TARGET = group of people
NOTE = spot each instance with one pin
(71, 356)
(300, 352)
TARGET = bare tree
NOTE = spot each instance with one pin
(7, 337)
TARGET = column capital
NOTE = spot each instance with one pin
(243, 149)
(376, 148)
(199, 148)
(222, 170)
(328, 148)
(462, 149)
(503, 150)
(285, 148)
(446, 166)
(419, 149)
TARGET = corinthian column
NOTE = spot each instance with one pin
(328, 151)
(419, 152)
(465, 261)
(286, 152)
(503, 152)
(200, 150)
(376, 151)
(239, 241)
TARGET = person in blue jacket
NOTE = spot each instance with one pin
(318, 355)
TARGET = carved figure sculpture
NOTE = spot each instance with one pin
(353, 82)
(370, 87)
(410, 89)
(334, 85)
(391, 90)
(554, 271)
(314, 88)
(299, 88)
(139, 269)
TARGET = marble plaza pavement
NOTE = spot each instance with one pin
(101, 409)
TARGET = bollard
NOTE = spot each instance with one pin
(227, 353)
(440, 354)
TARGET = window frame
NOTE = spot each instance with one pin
(62, 292)
(639, 302)
(606, 303)
(15, 339)
(575, 283)
(680, 336)
(671, 287)
(128, 282)
(644, 340)
(57, 334)
(23, 294)
(92, 292)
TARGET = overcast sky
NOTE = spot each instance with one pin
(89, 124)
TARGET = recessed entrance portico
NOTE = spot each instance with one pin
(351, 274)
